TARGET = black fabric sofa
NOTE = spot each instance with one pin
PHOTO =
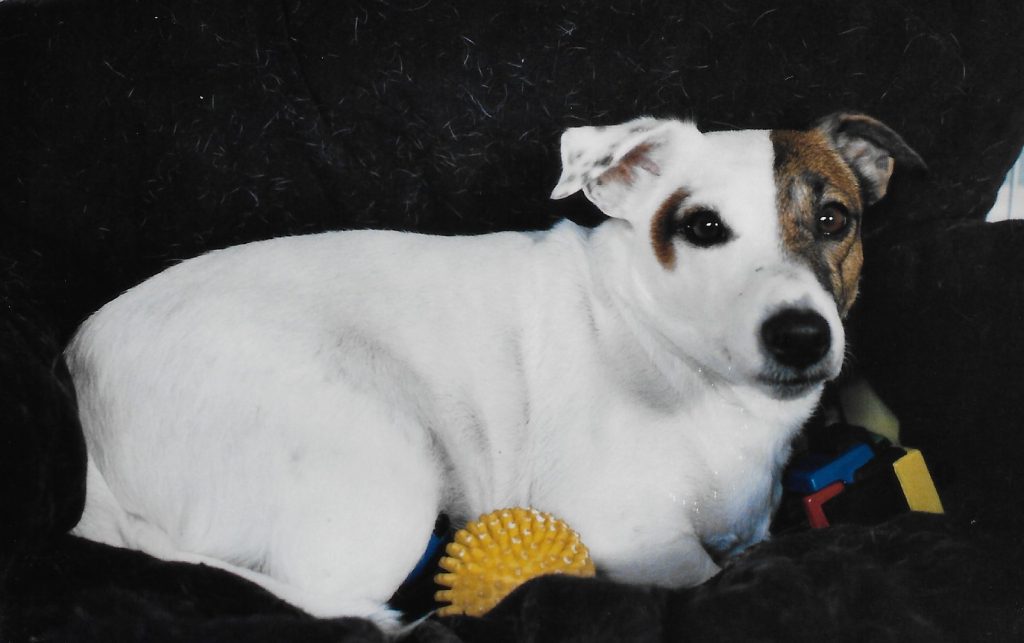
(136, 134)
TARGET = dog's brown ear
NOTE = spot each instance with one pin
(613, 165)
(871, 149)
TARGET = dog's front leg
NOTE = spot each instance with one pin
(681, 562)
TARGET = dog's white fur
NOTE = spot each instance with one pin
(299, 410)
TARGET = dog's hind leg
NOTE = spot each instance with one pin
(314, 604)
(356, 531)
(105, 521)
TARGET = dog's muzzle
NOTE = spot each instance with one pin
(796, 342)
(796, 338)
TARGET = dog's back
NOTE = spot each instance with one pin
(234, 395)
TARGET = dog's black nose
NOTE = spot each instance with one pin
(796, 338)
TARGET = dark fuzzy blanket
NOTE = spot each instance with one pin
(135, 134)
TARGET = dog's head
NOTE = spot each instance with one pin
(743, 247)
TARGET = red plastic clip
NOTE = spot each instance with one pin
(813, 504)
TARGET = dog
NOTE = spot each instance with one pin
(300, 410)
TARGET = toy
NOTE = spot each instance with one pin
(815, 472)
(501, 551)
(916, 483)
(853, 475)
(436, 542)
(813, 504)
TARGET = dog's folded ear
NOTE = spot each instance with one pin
(613, 165)
(871, 150)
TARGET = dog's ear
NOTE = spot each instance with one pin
(871, 150)
(612, 165)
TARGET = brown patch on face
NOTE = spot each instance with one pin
(663, 229)
(810, 173)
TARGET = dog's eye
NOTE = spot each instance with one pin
(833, 220)
(704, 228)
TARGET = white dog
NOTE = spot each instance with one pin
(300, 410)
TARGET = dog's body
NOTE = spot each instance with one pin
(300, 410)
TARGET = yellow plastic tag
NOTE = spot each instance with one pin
(917, 483)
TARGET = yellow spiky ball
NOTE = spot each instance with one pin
(502, 550)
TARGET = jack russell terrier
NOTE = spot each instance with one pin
(300, 410)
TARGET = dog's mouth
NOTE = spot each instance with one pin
(788, 388)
